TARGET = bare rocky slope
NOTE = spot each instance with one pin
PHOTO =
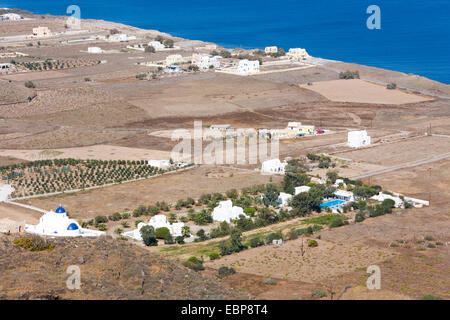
(110, 269)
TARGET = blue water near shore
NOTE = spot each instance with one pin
(414, 35)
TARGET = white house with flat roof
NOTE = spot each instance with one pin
(40, 32)
(246, 67)
(383, 196)
(157, 45)
(205, 61)
(158, 221)
(284, 199)
(271, 49)
(358, 139)
(11, 17)
(225, 211)
(273, 166)
(301, 189)
(174, 59)
(297, 54)
(94, 50)
(344, 195)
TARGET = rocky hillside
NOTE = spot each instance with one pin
(12, 92)
(110, 269)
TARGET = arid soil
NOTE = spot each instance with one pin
(356, 90)
(110, 269)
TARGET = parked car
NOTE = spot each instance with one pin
(319, 131)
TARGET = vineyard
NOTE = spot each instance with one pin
(59, 175)
(50, 64)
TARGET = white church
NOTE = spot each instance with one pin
(58, 224)
(225, 211)
(158, 221)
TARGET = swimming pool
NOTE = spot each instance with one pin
(333, 203)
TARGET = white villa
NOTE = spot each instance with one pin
(247, 67)
(5, 192)
(273, 166)
(383, 196)
(11, 17)
(297, 54)
(58, 224)
(157, 45)
(204, 61)
(40, 32)
(339, 182)
(344, 195)
(301, 189)
(158, 221)
(94, 50)
(121, 37)
(295, 128)
(174, 59)
(272, 49)
(358, 139)
(284, 199)
(226, 212)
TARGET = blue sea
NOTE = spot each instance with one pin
(414, 35)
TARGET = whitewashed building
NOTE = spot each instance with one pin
(174, 59)
(340, 182)
(246, 67)
(271, 49)
(157, 45)
(225, 211)
(344, 195)
(11, 17)
(158, 221)
(94, 50)
(58, 224)
(284, 199)
(358, 139)
(205, 61)
(121, 37)
(41, 32)
(297, 54)
(5, 192)
(301, 189)
(274, 166)
(383, 196)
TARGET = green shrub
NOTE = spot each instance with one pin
(270, 281)
(34, 243)
(431, 297)
(100, 219)
(179, 240)
(214, 256)
(360, 217)
(391, 86)
(318, 293)
(148, 236)
(256, 242)
(273, 236)
(312, 243)
(101, 227)
(194, 264)
(225, 272)
(162, 233)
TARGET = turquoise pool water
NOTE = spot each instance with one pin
(331, 203)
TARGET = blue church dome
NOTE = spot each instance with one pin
(60, 210)
(72, 226)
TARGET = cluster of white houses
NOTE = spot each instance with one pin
(157, 222)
